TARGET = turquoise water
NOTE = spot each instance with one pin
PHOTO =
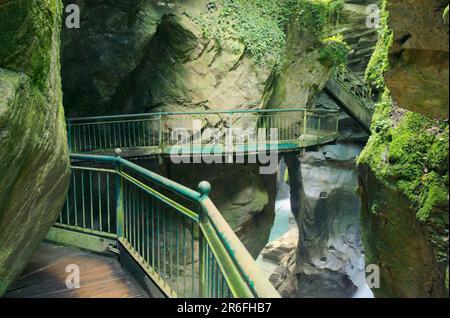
(284, 219)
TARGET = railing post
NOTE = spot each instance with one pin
(119, 197)
(204, 188)
(305, 118)
(69, 135)
(160, 132)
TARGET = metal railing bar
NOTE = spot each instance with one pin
(190, 113)
(183, 210)
(238, 252)
(230, 271)
(86, 231)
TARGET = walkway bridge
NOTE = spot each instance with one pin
(205, 132)
(172, 238)
(352, 95)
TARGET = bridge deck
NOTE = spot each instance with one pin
(100, 276)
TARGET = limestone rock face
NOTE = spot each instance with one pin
(330, 260)
(361, 38)
(154, 57)
(396, 242)
(403, 176)
(34, 164)
(282, 253)
(419, 75)
(302, 75)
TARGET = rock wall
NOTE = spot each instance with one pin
(302, 61)
(419, 75)
(404, 187)
(403, 170)
(330, 260)
(34, 166)
(357, 34)
(154, 57)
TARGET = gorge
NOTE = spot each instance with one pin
(329, 210)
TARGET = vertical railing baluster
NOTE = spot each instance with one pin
(99, 202)
(108, 203)
(119, 201)
(75, 196)
(160, 132)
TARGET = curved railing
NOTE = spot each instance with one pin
(354, 86)
(227, 131)
(174, 233)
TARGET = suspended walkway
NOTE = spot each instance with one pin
(352, 95)
(205, 132)
(172, 237)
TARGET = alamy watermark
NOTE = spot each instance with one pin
(373, 19)
(373, 276)
(73, 16)
(229, 145)
(73, 279)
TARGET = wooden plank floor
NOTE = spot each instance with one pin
(100, 276)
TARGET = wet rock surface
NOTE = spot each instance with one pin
(330, 260)
(34, 162)
(419, 75)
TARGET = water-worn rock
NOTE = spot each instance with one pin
(301, 62)
(34, 165)
(282, 254)
(419, 75)
(403, 170)
(330, 260)
(403, 174)
(396, 242)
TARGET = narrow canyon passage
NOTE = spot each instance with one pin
(327, 260)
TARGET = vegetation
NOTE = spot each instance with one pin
(261, 24)
(411, 154)
(408, 152)
(379, 63)
(334, 51)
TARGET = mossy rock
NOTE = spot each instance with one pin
(34, 163)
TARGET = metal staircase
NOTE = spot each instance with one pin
(352, 95)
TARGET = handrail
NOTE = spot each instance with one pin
(160, 180)
(237, 266)
(207, 112)
(235, 248)
(160, 133)
(360, 91)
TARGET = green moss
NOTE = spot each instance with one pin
(26, 37)
(379, 62)
(334, 51)
(408, 153)
(261, 24)
(445, 15)
(411, 155)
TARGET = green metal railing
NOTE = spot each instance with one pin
(175, 234)
(157, 130)
(355, 87)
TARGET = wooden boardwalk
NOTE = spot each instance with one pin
(100, 276)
